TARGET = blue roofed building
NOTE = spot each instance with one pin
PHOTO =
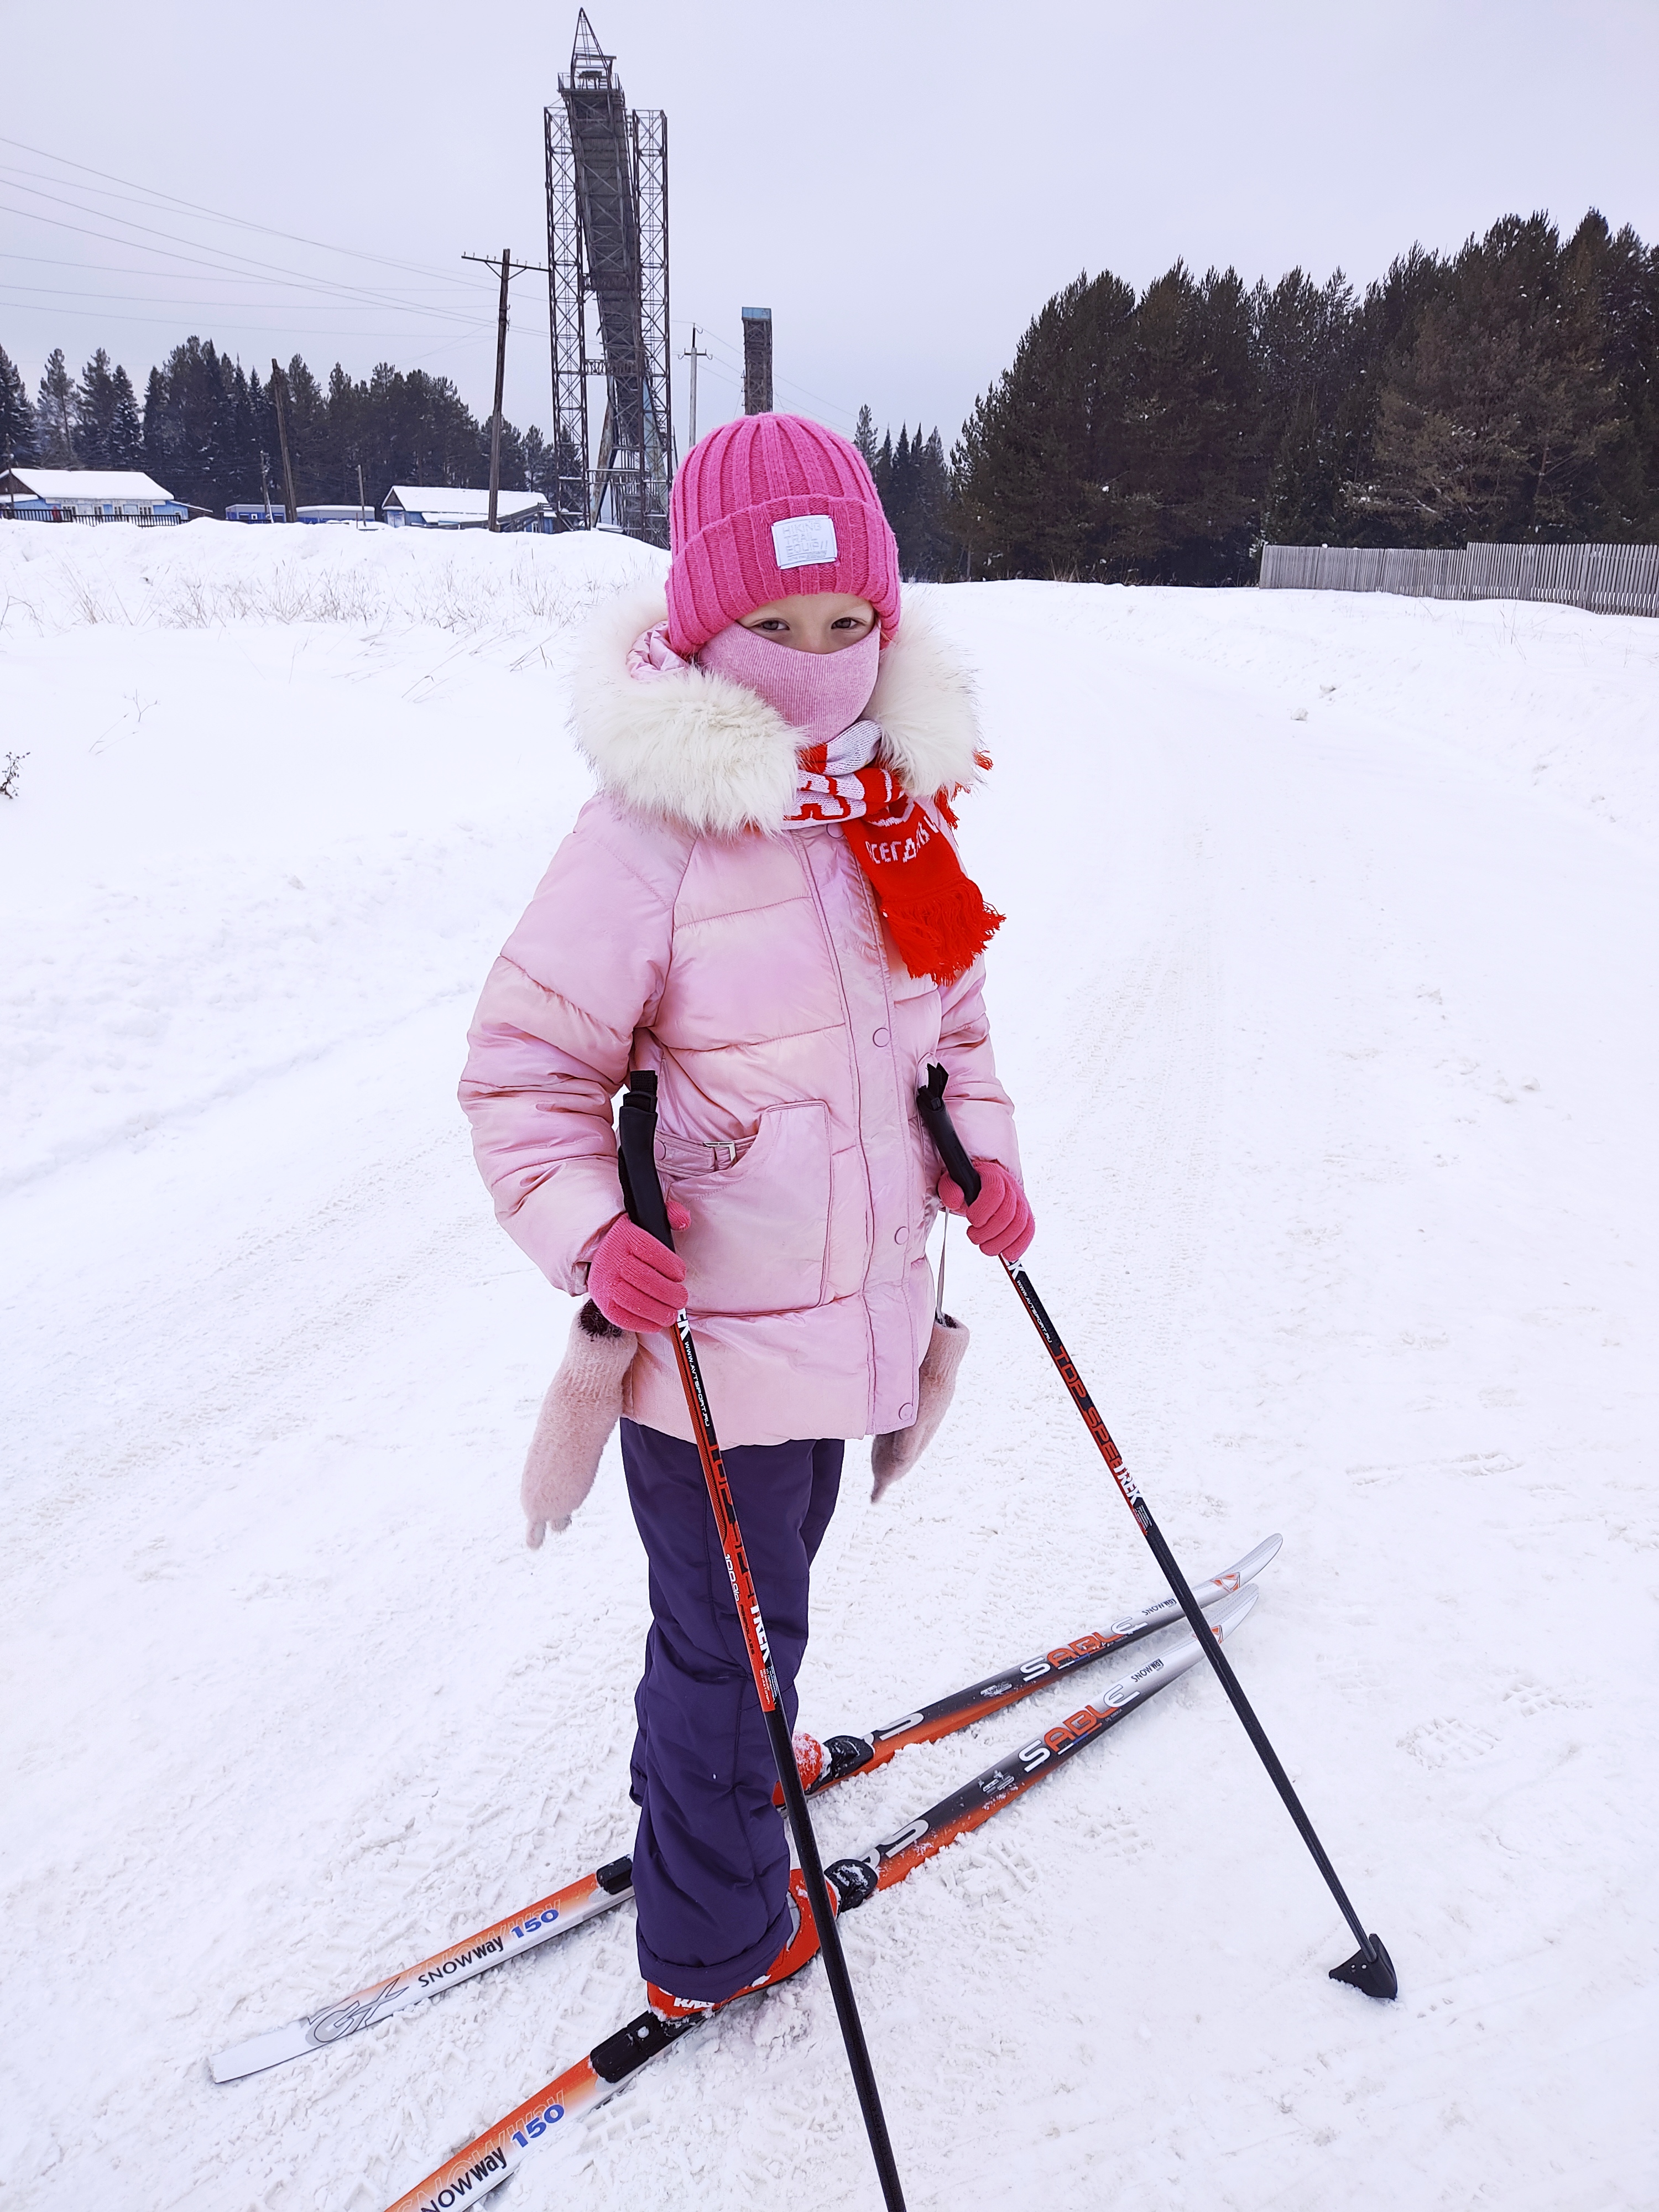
(30, 495)
(453, 507)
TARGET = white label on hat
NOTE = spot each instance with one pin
(803, 539)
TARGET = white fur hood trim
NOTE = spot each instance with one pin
(707, 753)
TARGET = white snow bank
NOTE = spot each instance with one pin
(1557, 702)
(209, 573)
(1333, 1040)
(237, 848)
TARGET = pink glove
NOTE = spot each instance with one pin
(998, 1220)
(636, 1282)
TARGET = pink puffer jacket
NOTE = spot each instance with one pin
(680, 928)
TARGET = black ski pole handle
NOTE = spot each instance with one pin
(930, 1104)
(636, 1157)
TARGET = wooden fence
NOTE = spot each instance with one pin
(1609, 579)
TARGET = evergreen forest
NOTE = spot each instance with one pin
(1504, 392)
(206, 429)
(1508, 390)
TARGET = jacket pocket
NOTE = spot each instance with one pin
(759, 1238)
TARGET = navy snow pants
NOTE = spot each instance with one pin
(711, 1864)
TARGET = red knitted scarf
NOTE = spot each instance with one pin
(938, 919)
(937, 913)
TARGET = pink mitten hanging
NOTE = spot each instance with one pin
(582, 1405)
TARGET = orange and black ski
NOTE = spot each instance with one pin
(489, 2158)
(837, 1758)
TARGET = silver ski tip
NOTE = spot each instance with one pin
(1252, 1564)
(1222, 1618)
(1223, 1585)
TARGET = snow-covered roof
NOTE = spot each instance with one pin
(88, 483)
(450, 499)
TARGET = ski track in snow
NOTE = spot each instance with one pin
(1326, 997)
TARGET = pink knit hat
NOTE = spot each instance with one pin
(766, 507)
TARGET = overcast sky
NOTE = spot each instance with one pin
(903, 184)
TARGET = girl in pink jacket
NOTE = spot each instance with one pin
(763, 904)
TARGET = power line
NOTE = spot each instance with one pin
(342, 294)
(241, 223)
(152, 298)
(225, 325)
(362, 294)
(115, 268)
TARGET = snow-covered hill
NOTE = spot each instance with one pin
(1326, 998)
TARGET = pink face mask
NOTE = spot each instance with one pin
(822, 694)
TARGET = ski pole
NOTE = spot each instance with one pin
(1370, 1968)
(636, 1132)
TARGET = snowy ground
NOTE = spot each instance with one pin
(1326, 998)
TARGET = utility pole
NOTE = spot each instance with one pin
(509, 272)
(692, 354)
(362, 519)
(500, 373)
(279, 386)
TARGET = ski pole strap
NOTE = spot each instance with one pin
(636, 1157)
(930, 1104)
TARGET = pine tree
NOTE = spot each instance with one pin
(514, 457)
(189, 426)
(1038, 467)
(536, 456)
(16, 415)
(92, 404)
(1304, 485)
(864, 437)
(561, 475)
(1189, 433)
(1623, 277)
(1305, 344)
(1385, 326)
(155, 461)
(1304, 340)
(127, 430)
(354, 413)
(54, 413)
(931, 506)
(238, 464)
(1502, 419)
(308, 434)
(914, 481)
(267, 448)
(896, 496)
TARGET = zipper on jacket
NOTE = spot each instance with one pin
(817, 890)
(904, 1118)
(918, 1352)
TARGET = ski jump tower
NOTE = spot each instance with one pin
(607, 244)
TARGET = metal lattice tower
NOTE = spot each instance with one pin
(607, 244)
